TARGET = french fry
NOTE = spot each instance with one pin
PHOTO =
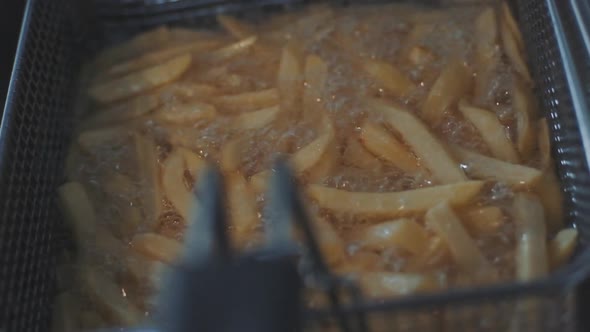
(420, 56)
(173, 184)
(141, 43)
(562, 246)
(140, 81)
(331, 244)
(230, 156)
(324, 166)
(401, 233)
(289, 78)
(193, 162)
(492, 131)
(486, 32)
(487, 53)
(129, 109)
(423, 143)
(443, 220)
(259, 181)
(510, 41)
(308, 156)
(156, 247)
(435, 255)
(235, 27)
(148, 171)
(482, 167)
(393, 204)
(255, 120)
(187, 113)
(119, 185)
(232, 50)
(525, 114)
(159, 56)
(512, 25)
(379, 285)
(531, 234)
(361, 261)
(141, 269)
(483, 220)
(453, 83)
(315, 75)
(382, 144)
(388, 77)
(355, 154)
(242, 204)
(77, 209)
(544, 143)
(549, 191)
(108, 298)
(248, 101)
(91, 139)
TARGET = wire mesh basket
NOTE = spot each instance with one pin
(57, 35)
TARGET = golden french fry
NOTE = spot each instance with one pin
(235, 27)
(511, 23)
(420, 56)
(525, 111)
(186, 114)
(232, 50)
(255, 120)
(259, 181)
(65, 313)
(141, 43)
(482, 167)
(324, 166)
(78, 210)
(91, 139)
(361, 261)
(544, 143)
(289, 78)
(393, 204)
(562, 246)
(159, 56)
(308, 156)
(148, 172)
(108, 298)
(531, 235)
(453, 83)
(423, 143)
(388, 77)
(486, 32)
(443, 220)
(173, 183)
(492, 131)
(483, 220)
(437, 254)
(140, 81)
(315, 75)
(377, 285)
(133, 108)
(355, 154)
(141, 269)
(402, 233)
(192, 161)
(381, 143)
(157, 247)
(248, 101)
(331, 244)
(549, 191)
(187, 90)
(241, 200)
(510, 41)
(231, 156)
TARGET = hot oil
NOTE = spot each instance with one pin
(343, 38)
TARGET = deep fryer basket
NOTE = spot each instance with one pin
(57, 36)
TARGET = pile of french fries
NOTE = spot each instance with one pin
(464, 190)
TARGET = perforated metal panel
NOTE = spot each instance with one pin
(35, 127)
